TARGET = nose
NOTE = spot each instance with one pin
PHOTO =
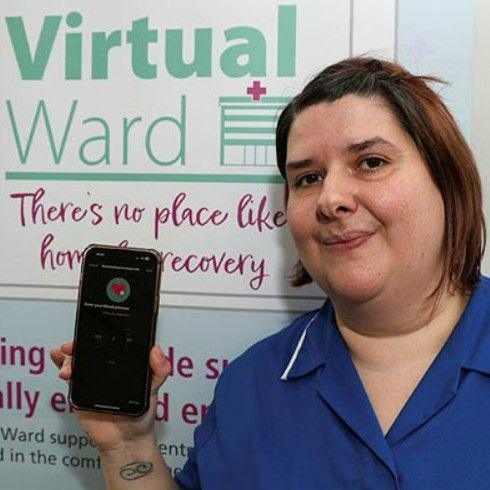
(338, 195)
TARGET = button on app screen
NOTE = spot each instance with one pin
(118, 289)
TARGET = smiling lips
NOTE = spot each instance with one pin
(347, 241)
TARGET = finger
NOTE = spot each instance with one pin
(65, 373)
(67, 348)
(160, 366)
(57, 357)
(65, 370)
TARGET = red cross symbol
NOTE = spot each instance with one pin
(256, 91)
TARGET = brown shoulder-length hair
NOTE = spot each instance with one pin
(423, 115)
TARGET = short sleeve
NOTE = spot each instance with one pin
(189, 478)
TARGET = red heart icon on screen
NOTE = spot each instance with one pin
(118, 288)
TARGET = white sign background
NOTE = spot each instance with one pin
(35, 255)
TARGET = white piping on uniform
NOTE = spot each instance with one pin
(285, 374)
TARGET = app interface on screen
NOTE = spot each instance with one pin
(114, 329)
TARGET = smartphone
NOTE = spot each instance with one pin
(118, 301)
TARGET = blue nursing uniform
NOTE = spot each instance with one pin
(292, 413)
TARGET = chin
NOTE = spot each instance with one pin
(357, 288)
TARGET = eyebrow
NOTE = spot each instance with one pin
(298, 164)
(352, 148)
(365, 144)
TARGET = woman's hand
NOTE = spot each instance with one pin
(112, 432)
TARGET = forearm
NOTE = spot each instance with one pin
(138, 466)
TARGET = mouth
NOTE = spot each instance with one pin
(348, 241)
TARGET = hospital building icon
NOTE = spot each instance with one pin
(248, 127)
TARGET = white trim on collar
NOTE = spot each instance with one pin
(285, 374)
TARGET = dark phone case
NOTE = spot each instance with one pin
(156, 302)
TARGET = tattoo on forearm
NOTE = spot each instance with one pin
(135, 470)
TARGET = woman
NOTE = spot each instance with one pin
(387, 385)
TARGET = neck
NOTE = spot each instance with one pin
(381, 336)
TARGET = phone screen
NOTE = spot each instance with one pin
(117, 310)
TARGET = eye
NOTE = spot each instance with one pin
(307, 180)
(372, 164)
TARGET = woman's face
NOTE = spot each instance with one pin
(367, 219)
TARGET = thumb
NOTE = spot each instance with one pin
(160, 367)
